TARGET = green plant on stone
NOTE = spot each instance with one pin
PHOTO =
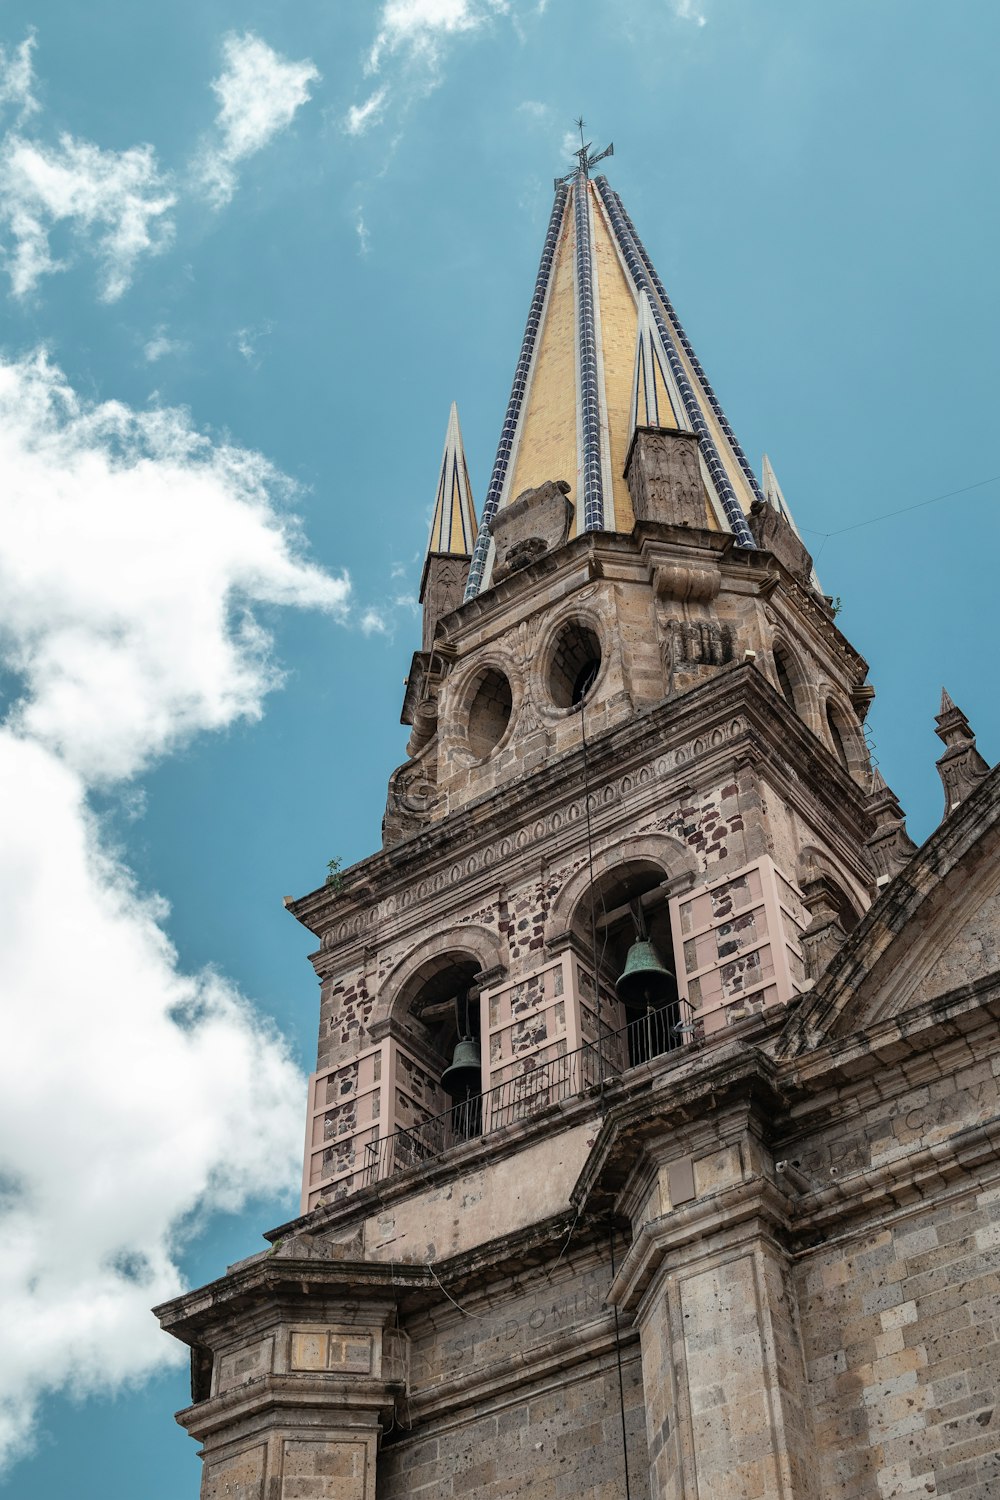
(334, 878)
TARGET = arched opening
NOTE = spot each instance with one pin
(440, 1009)
(574, 664)
(489, 713)
(625, 917)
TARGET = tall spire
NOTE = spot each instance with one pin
(603, 354)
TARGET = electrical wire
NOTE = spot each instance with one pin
(618, 1354)
(600, 1047)
(902, 511)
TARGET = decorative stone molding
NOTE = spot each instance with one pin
(773, 534)
(824, 935)
(695, 583)
(890, 847)
(961, 767)
(663, 474)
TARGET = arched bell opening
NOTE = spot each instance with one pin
(625, 917)
(440, 1008)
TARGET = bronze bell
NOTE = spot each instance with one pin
(464, 1075)
(645, 981)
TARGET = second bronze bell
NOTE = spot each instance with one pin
(463, 1076)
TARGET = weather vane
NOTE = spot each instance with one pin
(583, 157)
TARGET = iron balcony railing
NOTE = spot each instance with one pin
(529, 1093)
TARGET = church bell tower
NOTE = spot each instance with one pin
(546, 1245)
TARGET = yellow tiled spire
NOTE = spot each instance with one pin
(604, 352)
(453, 529)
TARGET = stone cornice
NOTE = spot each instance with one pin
(686, 1103)
(686, 741)
(353, 1399)
(718, 1223)
(268, 1280)
(547, 1361)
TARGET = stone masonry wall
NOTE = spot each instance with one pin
(555, 1440)
(517, 1394)
(901, 1329)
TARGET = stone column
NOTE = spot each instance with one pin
(709, 1285)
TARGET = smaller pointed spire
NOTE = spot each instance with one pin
(453, 529)
(961, 767)
(453, 535)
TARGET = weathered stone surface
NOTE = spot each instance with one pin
(663, 474)
(773, 534)
(537, 522)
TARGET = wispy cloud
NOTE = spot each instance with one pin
(17, 78)
(421, 27)
(126, 641)
(417, 33)
(245, 341)
(259, 92)
(116, 203)
(690, 10)
(161, 345)
(360, 117)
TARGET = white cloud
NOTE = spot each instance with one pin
(534, 109)
(689, 10)
(160, 345)
(17, 77)
(361, 230)
(259, 92)
(245, 341)
(375, 622)
(133, 555)
(420, 27)
(116, 202)
(361, 117)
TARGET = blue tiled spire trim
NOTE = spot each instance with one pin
(520, 385)
(640, 275)
(586, 334)
(710, 395)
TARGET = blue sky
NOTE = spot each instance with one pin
(250, 254)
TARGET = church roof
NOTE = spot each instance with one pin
(604, 351)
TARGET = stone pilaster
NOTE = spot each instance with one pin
(294, 1373)
(708, 1283)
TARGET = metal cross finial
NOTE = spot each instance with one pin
(583, 157)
